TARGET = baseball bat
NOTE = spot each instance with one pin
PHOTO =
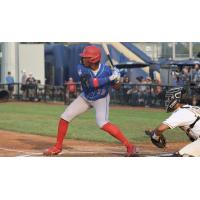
(108, 54)
(112, 66)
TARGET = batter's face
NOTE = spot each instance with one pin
(86, 62)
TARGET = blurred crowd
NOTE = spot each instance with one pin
(187, 76)
(148, 92)
(145, 91)
(29, 87)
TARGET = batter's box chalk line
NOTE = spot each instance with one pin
(23, 153)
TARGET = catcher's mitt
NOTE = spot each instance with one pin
(160, 142)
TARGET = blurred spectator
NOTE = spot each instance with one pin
(181, 77)
(31, 87)
(30, 79)
(184, 76)
(139, 79)
(176, 77)
(133, 95)
(71, 90)
(10, 82)
(125, 88)
(158, 94)
(194, 100)
(40, 90)
(142, 91)
(195, 74)
(134, 92)
(194, 88)
(148, 80)
(23, 84)
(126, 79)
(149, 93)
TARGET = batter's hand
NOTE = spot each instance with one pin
(115, 75)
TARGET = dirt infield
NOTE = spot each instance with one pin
(18, 144)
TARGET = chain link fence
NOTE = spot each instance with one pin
(148, 95)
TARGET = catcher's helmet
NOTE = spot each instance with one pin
(92, 53)
(172, 97)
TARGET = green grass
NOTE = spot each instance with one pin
(42, 119)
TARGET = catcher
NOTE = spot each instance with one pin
(184, 116)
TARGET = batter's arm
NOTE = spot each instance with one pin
(108, 79)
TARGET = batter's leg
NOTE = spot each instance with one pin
(192, 149)
(102, 112)
(77, 107)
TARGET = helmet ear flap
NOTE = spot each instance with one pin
(81, 60)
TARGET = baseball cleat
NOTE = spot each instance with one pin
(52, 151)
(131, 151)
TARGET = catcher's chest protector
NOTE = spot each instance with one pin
(194, 109)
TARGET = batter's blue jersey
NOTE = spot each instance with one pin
(103, 74)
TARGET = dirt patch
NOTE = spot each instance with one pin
(19, 144)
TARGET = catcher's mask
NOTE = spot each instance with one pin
(172, 97)
(91, 55)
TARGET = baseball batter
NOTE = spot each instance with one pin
(95, 78)
(184, 116)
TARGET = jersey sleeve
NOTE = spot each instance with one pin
(178, 118)
(109, 71)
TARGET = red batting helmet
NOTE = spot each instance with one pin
(92, 53)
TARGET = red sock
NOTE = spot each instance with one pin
(115, 132)
(62, 130)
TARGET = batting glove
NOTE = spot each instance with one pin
(115, 75)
